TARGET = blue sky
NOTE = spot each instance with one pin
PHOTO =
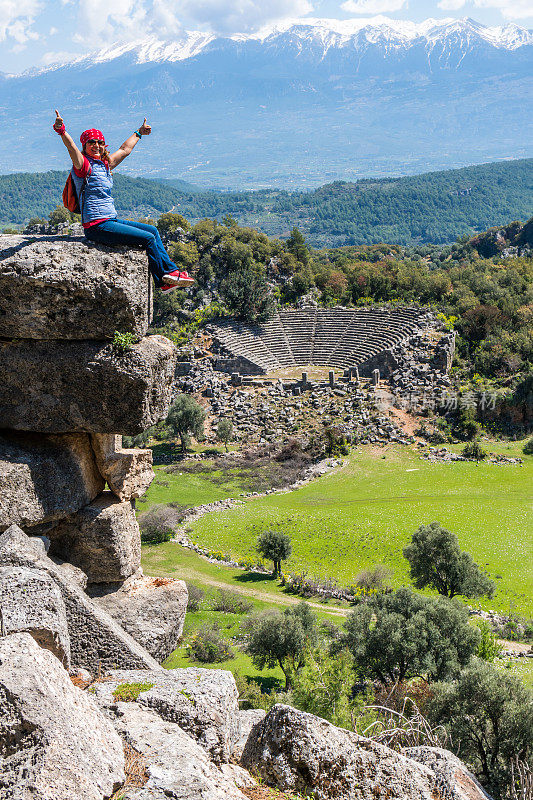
(38, 32)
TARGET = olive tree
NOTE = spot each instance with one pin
(489, 716)
(276, 547)
(224, 431)
(185, 419)
(436, 560)
(403, 635)
(282, 639)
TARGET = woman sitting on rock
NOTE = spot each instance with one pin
(91, 173)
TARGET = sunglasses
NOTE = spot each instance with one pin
(95, 141)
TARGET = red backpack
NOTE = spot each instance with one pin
(70, 195)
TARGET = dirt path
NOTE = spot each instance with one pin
(193, 575)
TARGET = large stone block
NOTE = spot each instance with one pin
(455, 780)
(31, 602)
(299, 752)
(45, 478)
(102, 539)
(55, 744)
(56, 387)
(128, 472)
(59, 288)
(152, 610)
(203, 702)
(175, 765)
(96, 640)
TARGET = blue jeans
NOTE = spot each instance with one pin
(120, 231)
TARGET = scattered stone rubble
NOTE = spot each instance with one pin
(71, 593)
(442, 454)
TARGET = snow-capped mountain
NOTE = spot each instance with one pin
(295, 104)
(323, 35)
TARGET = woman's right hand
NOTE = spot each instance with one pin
(58, 124)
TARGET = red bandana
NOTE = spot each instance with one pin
(92, 133)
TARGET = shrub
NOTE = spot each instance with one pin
(208, 646)
(231, 603)
(474, 451)
(122, 342)
(528, 447)
(157, 525)
(129, 692)
(488, 648)
(196, 595)
(374, 579)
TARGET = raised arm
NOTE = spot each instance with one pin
(127, 146)
(73, 150)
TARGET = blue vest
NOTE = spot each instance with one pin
(96, 201)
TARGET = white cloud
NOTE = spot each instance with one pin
(16, 19)
(509, 9)
(374, 6)
(58, 57)
(103, 21)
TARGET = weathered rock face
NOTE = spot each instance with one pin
(96, 640)
(54, 742)
(152, 610)
(295, 751)
(56, 387)
(175, 764)
(204, 702)
(248, 719)
(45, 478)
(30, 602)
(58, 288)
(455, 781)
(128, 472)
(102, 539)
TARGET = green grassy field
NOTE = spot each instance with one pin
(366, 511)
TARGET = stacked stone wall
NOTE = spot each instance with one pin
(70, 388)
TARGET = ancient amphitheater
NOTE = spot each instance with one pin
(340, 338)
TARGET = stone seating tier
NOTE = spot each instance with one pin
(338, 337)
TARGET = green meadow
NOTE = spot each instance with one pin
(366, 511)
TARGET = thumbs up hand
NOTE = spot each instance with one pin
(145, 129)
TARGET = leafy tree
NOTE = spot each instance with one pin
(402, 635)
(224, 431)
(324, 686)
(276, 547)
(436, 560)
(528, 447)
(490, 718)
(58, 215)
(297, 246)
(170, 222)
(185, 419)
(282, 639)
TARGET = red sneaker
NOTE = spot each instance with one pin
(166, 288)
(178, 278)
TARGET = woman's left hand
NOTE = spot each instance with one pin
(145, 129)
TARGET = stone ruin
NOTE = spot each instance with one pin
(78, 619)
(365, 339)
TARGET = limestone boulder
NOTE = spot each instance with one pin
(53, 387)
(203, 702)
(175, 766)
(97, 642)
(102, 539)
(45, 478)
(152, 610)
(248, 718)
(31, 602)
(128, 472)
(299, 752)
(54, 742)
(455, 780)
(59, 288)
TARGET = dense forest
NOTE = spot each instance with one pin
(431, 208)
